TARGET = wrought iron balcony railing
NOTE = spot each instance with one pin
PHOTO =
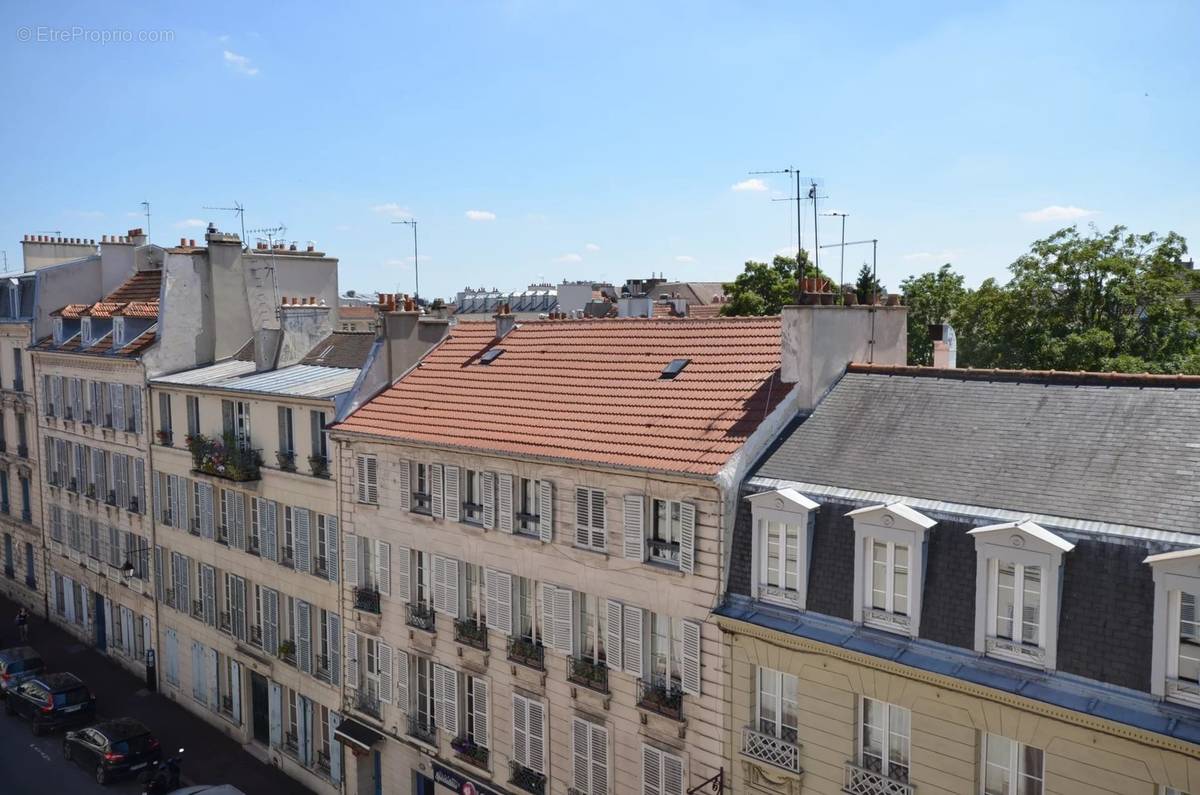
(661, 696)
(367, 599)
(525, 779)
(367, 703)
(859, 780)
(469, 751)
(529, 653)
(782, 752)
(470, 632)
(423, 728)
(421, 616)
(589, 673)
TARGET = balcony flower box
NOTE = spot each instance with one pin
(319, 465)
(665, 698)
(165, 438)
(470, 632)
(421, 616)
(224, 458)
(589, 673)
(527, 653)
(286, 461)
(469, 752)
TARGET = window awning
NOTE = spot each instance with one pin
(357, 735)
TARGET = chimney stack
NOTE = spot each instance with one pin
(505, 321)
(945, 345)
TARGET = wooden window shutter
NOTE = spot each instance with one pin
(351, 557)
(437, 493)
(634, 546)
(537, 736)
(687, 537)
(582, 516)
(480, 704)
(402, 668)
(599, 520)
(372, 480)
(383, 568)
(360, 463)
(564, 624)
(386, 672)
(613, 634)
(487, 484)
(499, 600)
(549, 625)
(520, 730)
(447, 708)
(504, 502)
(453, 501)
(405, 468)
(691, 657)
(352, 660)
(632, 639)
(546, 510)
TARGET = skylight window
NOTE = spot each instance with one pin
(491, 355)
(674, 368)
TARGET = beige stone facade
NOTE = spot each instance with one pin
(951, 720)
(24, 572)
(546, 683)
(250, 610)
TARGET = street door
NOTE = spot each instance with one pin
(260, 708)
(101, 617)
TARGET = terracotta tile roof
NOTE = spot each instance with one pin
(147, 310)
(101, 309)
(356, 312)
(70, 311)
(140, 343)
(704, 310)
(590, 391)
(141, 286)
(102, 345)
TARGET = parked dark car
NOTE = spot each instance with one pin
(18, 664)
(52, 701)
(112, 749)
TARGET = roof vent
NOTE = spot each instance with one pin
(674, 368)
(491, 355)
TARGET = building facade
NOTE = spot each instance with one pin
(970, 582)
(534, 526)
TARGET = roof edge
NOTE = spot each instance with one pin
(1049, 377)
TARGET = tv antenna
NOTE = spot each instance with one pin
(842, 267)
(416, 265)
(813, 184)
(272, 233)
(55, 232)
(146, 206)
(240, 209)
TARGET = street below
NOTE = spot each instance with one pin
(34, 765)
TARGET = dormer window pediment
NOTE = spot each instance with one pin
(1175, 660)
(783, 527)
(889, 566)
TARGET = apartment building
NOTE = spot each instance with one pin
(948, 581)
(248, 539)
(534, 520)
(24, 571)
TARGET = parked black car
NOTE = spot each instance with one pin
(52, 701)
(112, 749)
(18, 664)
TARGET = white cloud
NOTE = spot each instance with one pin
(393, 211)
(752, 184)
(1056, 212)
(685, 258)
(480, 215)
(592, 247)
(569, 258)
(240, 63)
(190, 223)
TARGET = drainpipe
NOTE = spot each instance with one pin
(41, 491)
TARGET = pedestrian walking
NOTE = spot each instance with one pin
(23, 624)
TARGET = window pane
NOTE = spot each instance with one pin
(1189, 638)
(792, 558)
(773, 529)
(1030, 763)
(900, 581)
(768, 697)
(872, 734)
(1005, 599)
(790, 708)
(879, 576)
(1031, 605)
(997, 755)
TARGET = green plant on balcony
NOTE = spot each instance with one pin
(319, 465)
(287, 650)
(224, 457)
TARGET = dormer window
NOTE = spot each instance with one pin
(1018, 570)
(118, 332)
(889, 570)
(783, 523)
(86, 330)
(1175, 661)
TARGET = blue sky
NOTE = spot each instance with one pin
(603, 140)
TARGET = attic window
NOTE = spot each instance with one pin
(674, 368)
(86, 330)
(491, 355)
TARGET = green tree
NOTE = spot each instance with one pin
(867, 286)
(762, 289)
(931, 298)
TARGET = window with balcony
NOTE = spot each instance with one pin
(164, 419)
(772, 738)
(662, 689)
(589, 756)
(471, 627)
(528, 765)
(525, 645)
(889, 566)
(422, 723)
(665, 527)
(589, 665)
(883, 750)
(286, 452)
(1011, 768)
(318, 458)
(1017, 592)
(235, 417)
(471, 734)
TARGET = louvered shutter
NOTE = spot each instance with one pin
(504, 502)
(206, 510)
(581, 755)
(403, 573)
(487, 485)
(691, 657)
(275, 713)
(333, 631)
(687, 537)
(270, 621)
(352, 660)
(361, 477)
(437, 494)
(383, 563)
(564, 630)
(268, 527)
(613, 631)
(303, 548)
(546, 511)
(159, 508)
(331, 544)
(238, 503)
(235, 689)
(214, 694)
(304, 636)
(537, 736)
(480, 704)
(520, 730)
(351, 558)
(208, 586)
(582, 516)
(139, 473)
(499, 600)
(373, 480)
(239, 608)
(549, 625)
(447, 709)
(672, 774)
(651, 771)
(632, 640)
(405, 485)
(160, 582)
(335, 749)
(453, 501)
(599, 520)
(635, 527)
(599, 760)
(450, 573)
(386, 672)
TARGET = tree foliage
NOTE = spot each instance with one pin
(762, 289)
(1076, 301)
(867, 287)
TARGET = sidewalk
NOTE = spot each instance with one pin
(209, 756)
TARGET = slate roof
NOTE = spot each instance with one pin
(1104, 448)
(590, 391)
(341, 349)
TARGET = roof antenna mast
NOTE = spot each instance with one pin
(238, 208)
(798, 197)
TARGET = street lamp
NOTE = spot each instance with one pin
(127, 567)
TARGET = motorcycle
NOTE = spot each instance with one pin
(163, 777)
